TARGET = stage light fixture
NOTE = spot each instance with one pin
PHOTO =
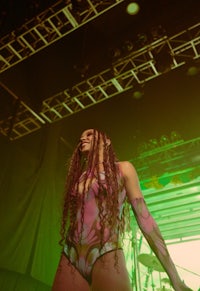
(138, 91)
(133, 8)
(193, 70)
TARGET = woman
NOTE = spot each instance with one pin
(99, 189)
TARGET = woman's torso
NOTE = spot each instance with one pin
(88, 227)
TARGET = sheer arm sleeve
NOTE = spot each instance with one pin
(151, 232)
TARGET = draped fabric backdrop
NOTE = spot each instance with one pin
(32, 178)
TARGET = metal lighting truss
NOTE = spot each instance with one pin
(49, 26)
(136, 68)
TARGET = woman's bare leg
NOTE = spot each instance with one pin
(106, 277)
(67, 278)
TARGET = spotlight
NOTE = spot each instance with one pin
(192, 67)
(157, 32)
(137, 94)
(164, 140)
(174, 136)
(132, 8)
(193, 71)
(138, 91)
(142, 40)
(153, 143)
(115, 53)
(127, 46)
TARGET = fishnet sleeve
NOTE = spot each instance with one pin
(151, 232)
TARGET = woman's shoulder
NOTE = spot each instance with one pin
(126, 167)
(125, 164)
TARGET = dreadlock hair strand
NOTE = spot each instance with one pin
(107, 197)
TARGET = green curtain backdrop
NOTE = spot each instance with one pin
(32, 177)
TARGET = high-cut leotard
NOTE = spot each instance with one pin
(83, 251)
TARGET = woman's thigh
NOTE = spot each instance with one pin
(106, 276)
(68, 278)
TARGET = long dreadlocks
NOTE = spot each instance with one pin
(108, 199)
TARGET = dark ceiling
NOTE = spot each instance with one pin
(170, 102)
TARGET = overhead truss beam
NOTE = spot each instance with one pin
(136, 68)
(48, 27)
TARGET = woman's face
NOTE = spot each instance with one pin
(86, 140)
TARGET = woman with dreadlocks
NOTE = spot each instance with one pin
(98, 190)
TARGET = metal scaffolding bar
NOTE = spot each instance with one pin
(139, 67)
(48, 27)
(136, 68)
